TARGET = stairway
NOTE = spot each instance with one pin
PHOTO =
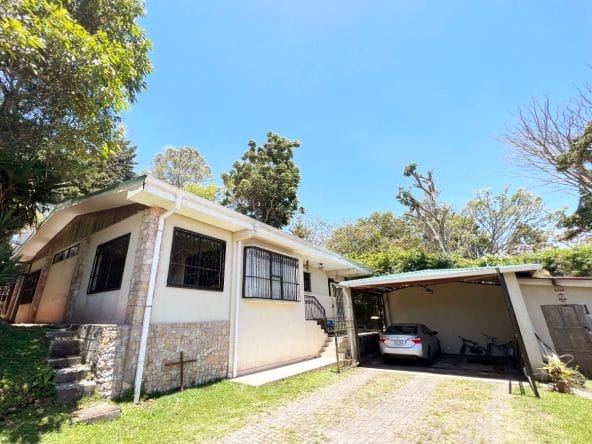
(72, 376)
(328, 350)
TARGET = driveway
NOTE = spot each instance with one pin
(373, 405)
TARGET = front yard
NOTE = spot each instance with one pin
(322, 406)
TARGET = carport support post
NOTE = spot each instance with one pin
(514, 293)
(348, 307)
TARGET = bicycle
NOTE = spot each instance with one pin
(505, 349)
(473, 347)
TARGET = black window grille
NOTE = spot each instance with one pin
(107, 270)
(270, 275)
(66, 254)
(307, 284)
(197, 261)
(29, 287)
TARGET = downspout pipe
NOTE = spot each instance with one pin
(150, 298)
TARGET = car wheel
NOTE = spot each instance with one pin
(430, 358)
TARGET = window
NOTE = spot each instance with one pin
(197, 261)
(107, 270)
(29, 287)
(65, 254)
(270, 275)
(307, 286)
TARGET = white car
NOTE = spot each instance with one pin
(409, 341)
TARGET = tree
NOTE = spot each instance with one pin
(97, 173)
(264, 183)
(553, 146)
(311, 229)
(181, 166)
(378, 232)
(209, 192)
(433, 217)
(508, 220)
(67, 68)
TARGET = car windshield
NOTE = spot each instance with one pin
(401, 330)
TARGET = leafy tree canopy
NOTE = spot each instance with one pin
(377, 232)
(508, 220)
(264, 183)
(181, 166)
(210, 192)
(67, 68)
(311, 229)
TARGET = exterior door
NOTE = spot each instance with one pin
(571, 330)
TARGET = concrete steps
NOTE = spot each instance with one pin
(71, 376)
(74, 373)
(98, 411)
(73, 391)
(67, 361)
(62, 347)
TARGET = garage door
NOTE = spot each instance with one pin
(571, 330)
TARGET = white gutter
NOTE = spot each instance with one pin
(150, 298)
(237, 291)
(237, 288)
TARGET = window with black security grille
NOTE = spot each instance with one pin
(197, 261)
(29, 287)
(269, 275)
(306, 282)
(108, 266)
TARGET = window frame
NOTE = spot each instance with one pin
(306, 282)
(222, 261)
(94, 269)
(37, 274)
(65, 254)
(270, 279)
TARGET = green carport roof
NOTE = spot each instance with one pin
(424, 277)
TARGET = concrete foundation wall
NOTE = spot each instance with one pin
(454, 309)
(207, 342)
(104, 348)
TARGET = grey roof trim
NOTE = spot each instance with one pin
(425, 275)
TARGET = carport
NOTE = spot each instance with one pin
(467, 302)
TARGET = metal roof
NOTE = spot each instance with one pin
(149, 191)
(432, 276)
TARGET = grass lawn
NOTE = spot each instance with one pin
(24, 375)
(554, 418)
(200, 414)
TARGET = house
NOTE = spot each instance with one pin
(149, 270)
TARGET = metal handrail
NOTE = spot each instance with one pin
(314, 309)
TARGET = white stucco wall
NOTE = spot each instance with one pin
(109, 306)
(538, 292)
(454, 309)
(23, 312)
(320, 287)
(272, 333)
(175, 304)
(52, 304)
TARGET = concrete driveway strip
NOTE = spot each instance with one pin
(369, 406)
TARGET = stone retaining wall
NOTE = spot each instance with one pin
(207, 342)
(104, 348)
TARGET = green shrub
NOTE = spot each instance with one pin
(563, 378)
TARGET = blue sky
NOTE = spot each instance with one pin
(367, 87)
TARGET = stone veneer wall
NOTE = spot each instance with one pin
(104, 348)
(205, 341)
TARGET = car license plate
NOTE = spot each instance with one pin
(398, 343)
